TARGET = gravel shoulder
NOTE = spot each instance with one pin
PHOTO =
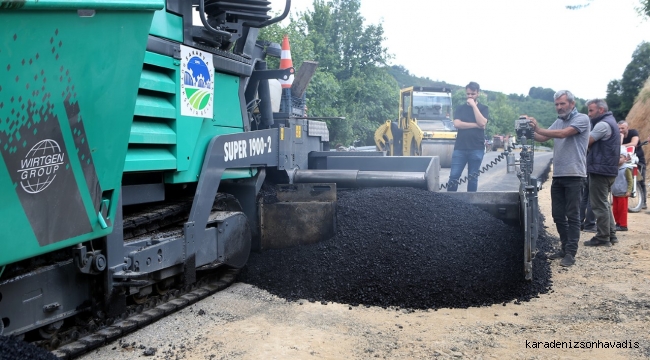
(601, 300)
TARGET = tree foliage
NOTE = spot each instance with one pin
(502, 116)
(541, 93)
(635, 74)
(622, 93)
(353, 55)
(579, 6)
(613, 99)
(354, 82)
(405, 78)
(643, 8)
(344, 46)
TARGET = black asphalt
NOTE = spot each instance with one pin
(14, 349)
(407, 248)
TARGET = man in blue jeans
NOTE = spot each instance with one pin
(470, 119)
(571, 137)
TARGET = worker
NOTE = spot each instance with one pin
(511, 142)
(631, 138)
(470, 119)
(622, 189)
(602, 166)
(571, 136)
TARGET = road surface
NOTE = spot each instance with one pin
(496, 178)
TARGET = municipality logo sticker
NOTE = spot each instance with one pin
(39, 167)
(197, 83)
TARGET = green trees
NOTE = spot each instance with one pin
(621, 93)
(352, 78)
(344, 46)
(405, 78)
(635, 74)
(541, 93)
(502, 116)
(352, 55)
(613, 99)
(643, 8)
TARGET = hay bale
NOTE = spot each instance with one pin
(639, 115)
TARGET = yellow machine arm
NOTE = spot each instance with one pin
(398, 139)
(384, 137)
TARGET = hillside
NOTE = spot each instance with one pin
(404, 78)
(539, 105)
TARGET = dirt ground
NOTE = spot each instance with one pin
(601, 300)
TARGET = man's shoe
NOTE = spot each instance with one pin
(596, 242)
(613, 240)
(621, 228)
(568, 260)
(591, 230)
(644, 206)
(558, 255)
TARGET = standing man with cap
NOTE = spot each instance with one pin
(571, 134)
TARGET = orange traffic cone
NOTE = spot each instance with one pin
(286, 62)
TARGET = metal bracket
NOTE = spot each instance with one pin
(102, 216)
(280, 74)
(51, 307)
(89, 262)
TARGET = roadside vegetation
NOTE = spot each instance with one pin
(354, 80)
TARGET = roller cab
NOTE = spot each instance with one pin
(424, 128)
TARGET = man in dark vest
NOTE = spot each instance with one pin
(602, 166)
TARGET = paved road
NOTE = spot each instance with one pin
(496, 178)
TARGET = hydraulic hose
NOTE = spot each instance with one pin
(208, 26)
(284, 14)
(482, 170)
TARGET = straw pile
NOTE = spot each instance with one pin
(639, 116)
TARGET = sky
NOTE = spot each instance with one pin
(508, 45)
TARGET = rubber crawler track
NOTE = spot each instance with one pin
(140, 315)
(138, 320)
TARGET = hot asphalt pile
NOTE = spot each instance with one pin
(408, 248)
(14, 349)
